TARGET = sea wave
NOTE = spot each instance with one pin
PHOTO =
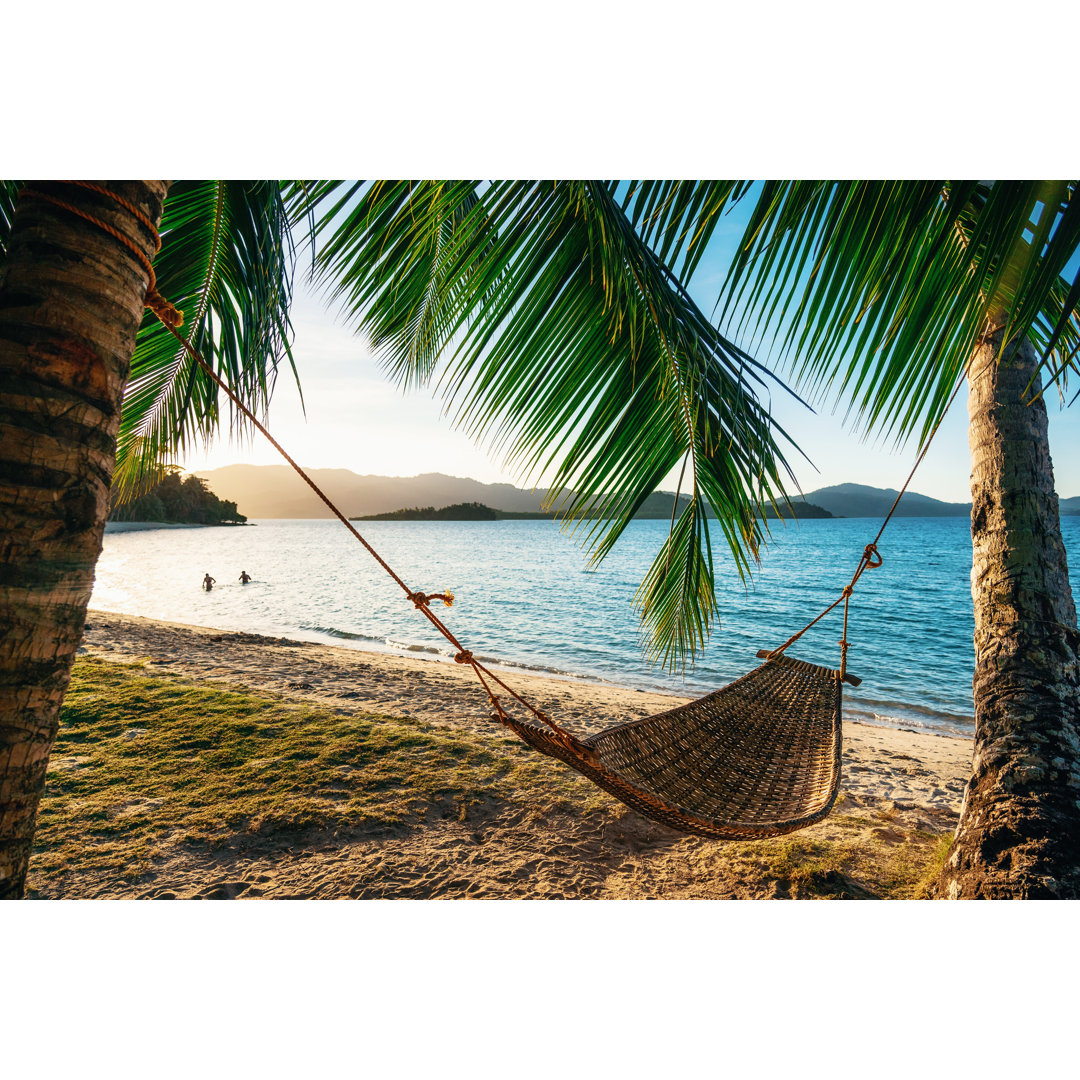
(403, 647)
(895, 714)
(335, 632)
(918, 711)
(414, 647)
(540, 669)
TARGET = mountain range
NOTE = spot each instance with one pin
(275, 491)
(859, 500)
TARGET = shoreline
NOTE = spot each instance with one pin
(867, 711)
(143, 526)
(581, 627)
(908, 768)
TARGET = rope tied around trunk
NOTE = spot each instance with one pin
(168, 313)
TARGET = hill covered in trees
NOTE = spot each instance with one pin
(469, 511)
(181, 500)
(798, 510)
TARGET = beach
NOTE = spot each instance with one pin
(880, 763)
(901, 793)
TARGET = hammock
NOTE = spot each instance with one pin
(758, 758)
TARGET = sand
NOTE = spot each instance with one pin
(897, 785)
(879, 762)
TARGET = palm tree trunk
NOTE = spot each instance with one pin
(71, 301)
(1019, 831)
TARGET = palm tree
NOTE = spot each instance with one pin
(556, 316)
(892, 293)
(71, 311)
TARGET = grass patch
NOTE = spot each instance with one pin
(143, 764)
(935, 865)
(847, 858)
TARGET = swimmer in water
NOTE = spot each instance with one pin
(208, 582)
(245, 577)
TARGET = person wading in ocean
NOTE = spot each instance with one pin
(208, 582)
(245, 577)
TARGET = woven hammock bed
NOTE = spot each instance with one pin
(758, 758)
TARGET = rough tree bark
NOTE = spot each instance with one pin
(1019, 831)
(71, 300)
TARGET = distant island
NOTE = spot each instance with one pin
(177, 500)
(474, 511)
(470, 511)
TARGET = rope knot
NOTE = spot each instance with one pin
(463, 657)
(168, 313)
(868, 554)
(422, 600)
(848, 590)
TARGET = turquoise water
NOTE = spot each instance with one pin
(526, 599)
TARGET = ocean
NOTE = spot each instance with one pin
(527, 599)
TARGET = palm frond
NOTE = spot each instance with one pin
(877, 292)
(9, 192)
(569, 349)
(677, 218)
(226, 260)
(411, 230)
(1029, 292)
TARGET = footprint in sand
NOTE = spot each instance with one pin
(226, 890)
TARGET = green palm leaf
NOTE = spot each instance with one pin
(226, 260)
(9, 192)
(878, 291)
(569, 348)
(677, 218)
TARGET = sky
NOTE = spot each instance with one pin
(357, 419)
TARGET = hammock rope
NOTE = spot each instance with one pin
(759, 757)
